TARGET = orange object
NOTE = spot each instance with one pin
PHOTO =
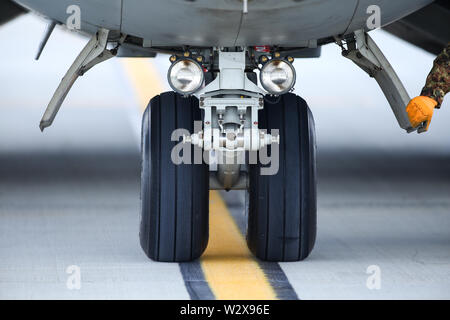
(420, 111)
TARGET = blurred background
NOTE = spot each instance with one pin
(70, 195)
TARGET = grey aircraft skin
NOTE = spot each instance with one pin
(222, 22)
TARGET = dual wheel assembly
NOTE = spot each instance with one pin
(282, 210)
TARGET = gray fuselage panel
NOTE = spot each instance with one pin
(222, 22)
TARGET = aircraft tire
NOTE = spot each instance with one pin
(282, 216)
(174, 198)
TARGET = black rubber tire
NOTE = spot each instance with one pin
(282, 218)
(174, 198)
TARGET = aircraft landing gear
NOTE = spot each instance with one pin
(174, 198)
(235, 123)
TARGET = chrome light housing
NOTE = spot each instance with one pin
(185, 76)
(277, 76)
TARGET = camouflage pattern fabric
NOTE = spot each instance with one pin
(438, 81)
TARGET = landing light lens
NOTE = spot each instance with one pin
(277, 77)
(185, 76)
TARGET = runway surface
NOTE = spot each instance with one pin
(70, 196)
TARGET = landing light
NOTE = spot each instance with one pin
(277, 77)
(185, 76)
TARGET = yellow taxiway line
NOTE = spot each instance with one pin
(229, 268)
(145, 79)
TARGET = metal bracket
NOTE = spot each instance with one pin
(241, 105)
(231, 76)
(93, 53)
(369, 57)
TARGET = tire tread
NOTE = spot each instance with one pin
(171, 204)
(282, 207)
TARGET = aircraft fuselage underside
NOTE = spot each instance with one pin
(224, 23)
